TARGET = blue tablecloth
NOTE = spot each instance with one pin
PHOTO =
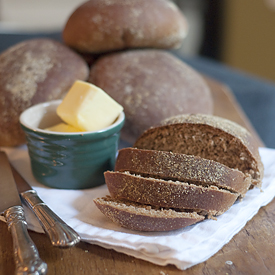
(256, 96)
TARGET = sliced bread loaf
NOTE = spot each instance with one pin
(209, 200)
(139, 217)
(181, 167)
(198, 164)
(209, 137)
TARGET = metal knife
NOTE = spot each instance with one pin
(59, 232)
(25, 252)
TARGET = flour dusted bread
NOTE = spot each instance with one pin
(31, 72)
(98, 26)
(209, 137)
(140, 217)
(181, 167)
(189, 163)
(151, 85)
(210, 200)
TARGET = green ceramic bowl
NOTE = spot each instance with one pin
(68, 160)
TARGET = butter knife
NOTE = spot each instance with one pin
(60, 234)
(25, 252)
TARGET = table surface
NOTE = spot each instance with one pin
(251, 251)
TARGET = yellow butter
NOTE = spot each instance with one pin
(88, 108)
(63, 127)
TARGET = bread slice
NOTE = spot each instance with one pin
(209, 137)
(210, 200)
(181, 167)
(140, 217)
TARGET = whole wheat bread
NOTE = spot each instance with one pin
(210, 200)
(139, 217)
(151, 85)
(99, 26)
(209, 137)
(189, 163)
(31, 72)
(181, 167)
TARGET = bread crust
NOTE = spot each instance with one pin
(207, 136)
(31, 72)
(99, 26)
(169, 194)
(151, 85)
(144, 218)
(181, 167)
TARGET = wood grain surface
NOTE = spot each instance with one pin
(251, 251)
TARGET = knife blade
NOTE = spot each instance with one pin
(25, 252)
(58, 231)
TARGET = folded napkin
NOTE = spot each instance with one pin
(182, 248)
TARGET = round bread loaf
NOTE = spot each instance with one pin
(31, 72)
(181, 167)
(107, 25)
(209, 137)
(141, 217)
(151, 85)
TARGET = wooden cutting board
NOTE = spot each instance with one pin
(251, 251)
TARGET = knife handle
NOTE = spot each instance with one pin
(58, 231)
(25, 252)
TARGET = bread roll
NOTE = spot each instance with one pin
(151, 85)
(31, 72)
(181, 167)
(209, 137)
(140, 217)
(99, 26)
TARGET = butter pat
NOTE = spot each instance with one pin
(88, 107)
(63, 127)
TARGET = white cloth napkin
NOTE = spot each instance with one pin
(182, 248)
